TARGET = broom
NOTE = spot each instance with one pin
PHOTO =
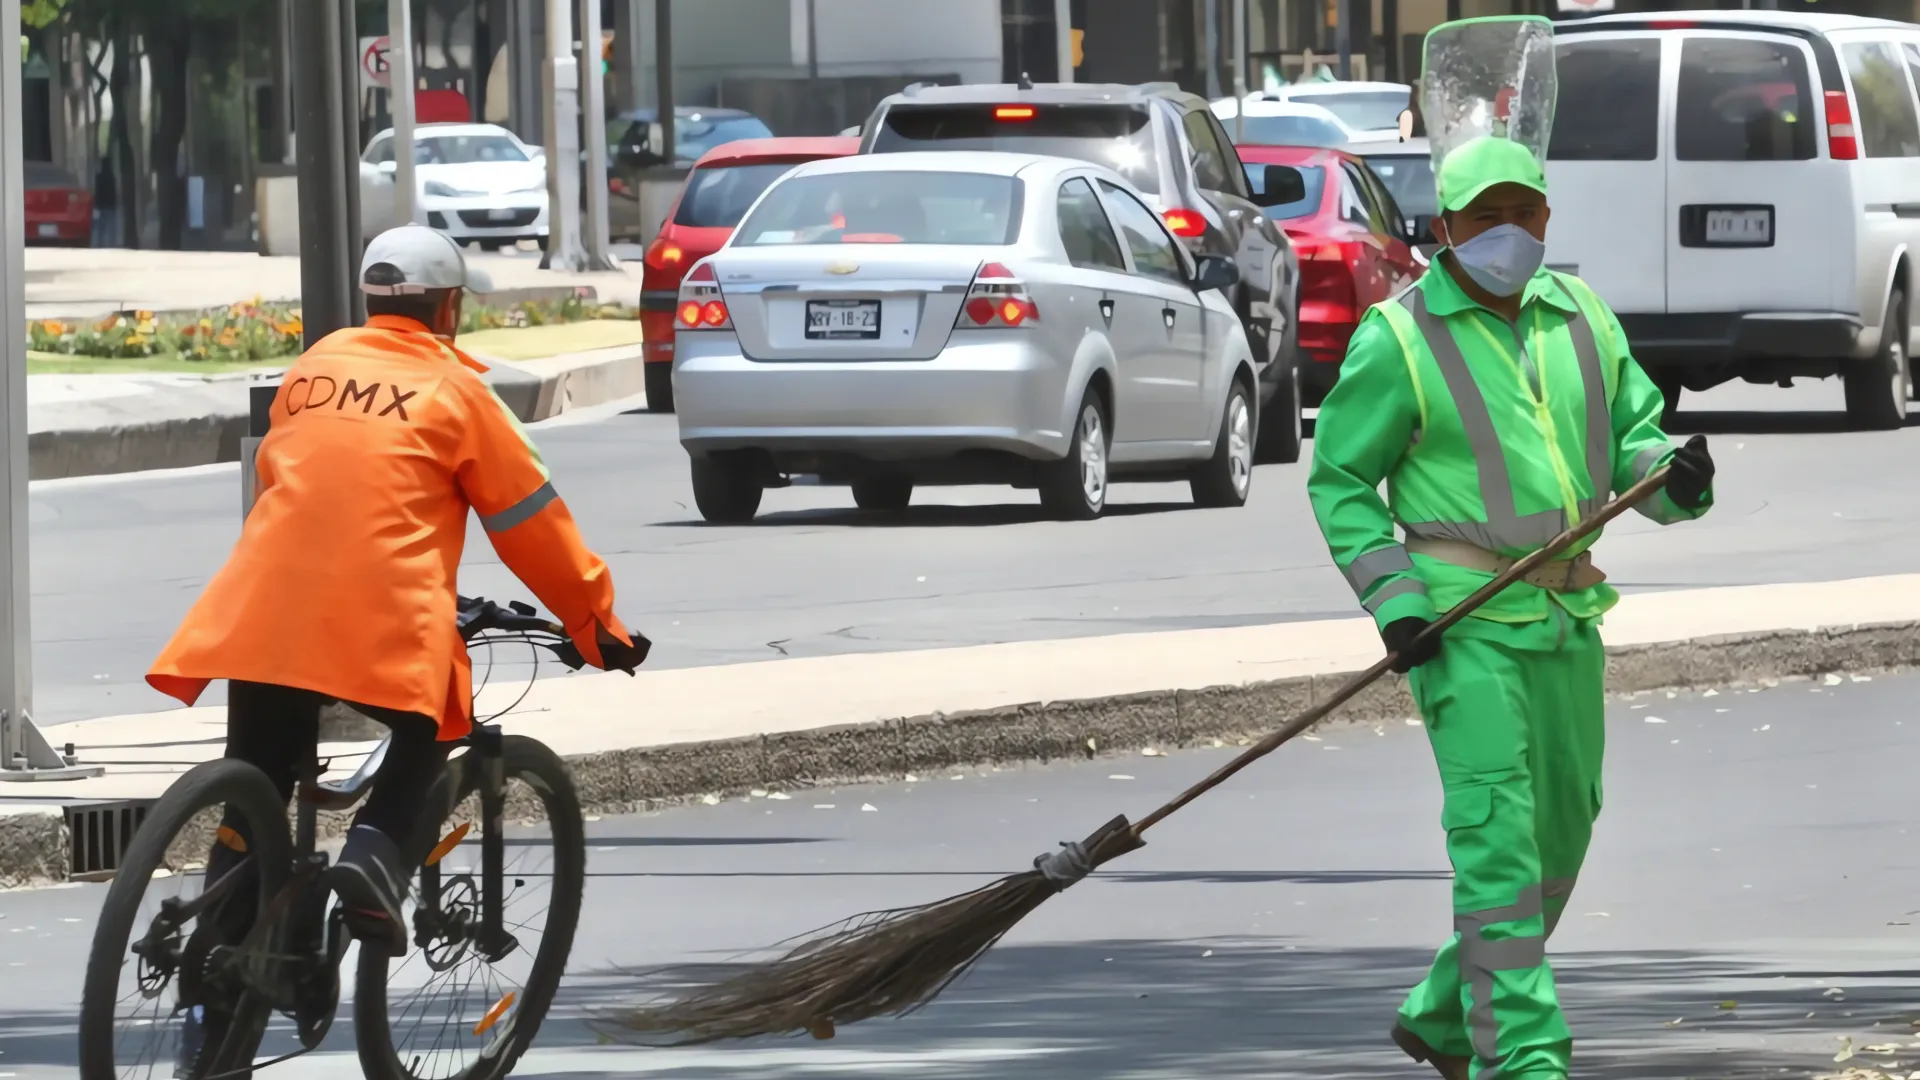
(894, 962)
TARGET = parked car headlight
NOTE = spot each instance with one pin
(447, 191)
(541, 186)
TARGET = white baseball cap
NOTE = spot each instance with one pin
(414, 259)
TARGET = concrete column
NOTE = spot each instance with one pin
(325, 277)
(400, 87)
(524, 67)
(1063, 38)
(562, 124)
(593, 130)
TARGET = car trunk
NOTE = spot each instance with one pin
(846, 301)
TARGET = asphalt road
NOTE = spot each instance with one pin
(1748, 901)
(116, 562)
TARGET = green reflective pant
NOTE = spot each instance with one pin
(1515, 714)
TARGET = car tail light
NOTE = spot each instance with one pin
(1842, 142)
(1673, 24)
(701, 306)
(1328, 301)
(663, 255)
(997, 298)
(1186, 223)
(1014, 112)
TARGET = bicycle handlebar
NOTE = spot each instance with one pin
(477, 615)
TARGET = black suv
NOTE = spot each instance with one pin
(1168, 144)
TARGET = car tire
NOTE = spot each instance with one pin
(491, 245)
(1282, 431)
(1074, 488)
(659, 386)
(884, 494)
(725, 489)
(1877, 388)
(1226, 479)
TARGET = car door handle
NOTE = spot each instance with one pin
(1106, 310)
(1169, 314)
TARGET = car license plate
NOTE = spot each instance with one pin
(843, 320)
(500, 215)
(49, 230)
(1739, 228)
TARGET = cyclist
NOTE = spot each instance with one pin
(342, 585)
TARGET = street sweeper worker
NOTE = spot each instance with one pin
(1499, 404)
(384, 439)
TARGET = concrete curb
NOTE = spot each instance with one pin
(34, 847)
(542, 389)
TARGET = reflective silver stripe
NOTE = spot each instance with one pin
(519, 512)
(1655, 507)
(1480, 958)
(1646, 459)
(1599, 420)
(1374, 565)
(1555, 889)
(1398, 588)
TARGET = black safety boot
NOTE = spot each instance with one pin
(371, 881)
(1447, 1065)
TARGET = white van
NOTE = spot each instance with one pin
(1743, 187)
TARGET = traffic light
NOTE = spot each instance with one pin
(1079, 50)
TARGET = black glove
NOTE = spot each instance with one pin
(617, 657)
(1690, 474)
(1398, 636)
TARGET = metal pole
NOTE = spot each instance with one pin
(324, 275)
(346, 228)
(525, 71)
(1242, 53)
(813, 42)
(593, 129)
(1343, 36)
(1210, 14)
(24, 751)
(400, 87)
(562, 124)
(1063, 38)
(283, 79)
(663, 75)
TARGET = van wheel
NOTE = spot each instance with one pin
(1877, 388)
(890, 494)
(1075, 487)
(1227, 477)
(726, 489)
(1282, 431)
(659, 386)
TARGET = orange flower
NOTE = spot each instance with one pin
(292, 327)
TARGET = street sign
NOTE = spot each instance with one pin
(1584, 7)
(373, 61)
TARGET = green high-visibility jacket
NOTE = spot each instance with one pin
(1494, 433)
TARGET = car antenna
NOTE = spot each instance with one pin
(1026, 82)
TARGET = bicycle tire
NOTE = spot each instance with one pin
(543, 771)
(237, 786)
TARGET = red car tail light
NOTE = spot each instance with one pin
(664, 255)
(1185, 223)
(1843, 142)
(701, 306)
(997, 298)
(1014, 112)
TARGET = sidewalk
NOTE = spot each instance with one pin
(675, 734)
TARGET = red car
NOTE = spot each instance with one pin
(724, 182)
(59, 208)
(1351, 241)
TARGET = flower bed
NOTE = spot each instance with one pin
(260, 332)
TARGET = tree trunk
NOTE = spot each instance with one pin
(123, 87)
(168, 44)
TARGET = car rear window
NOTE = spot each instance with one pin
(1117, 136)
(906, 207)
(718, 197)
(467, 150)
(1286, 131)
(1315, 182)
(1362, 110)
(1409, 179)
(1743, 99)
(1608, 105)
(42, 175)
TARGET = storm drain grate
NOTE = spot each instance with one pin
(101, 834)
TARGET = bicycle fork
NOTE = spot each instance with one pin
(494, 941)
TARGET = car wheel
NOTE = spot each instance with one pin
(1877, 388)
(889, 494)
(725, 489)
(1074, 488)
(1227, 477)
(1282, 431)
(659, 386)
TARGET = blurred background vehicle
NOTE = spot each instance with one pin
(1170, 146)
(1282, 123)
(894, 320)
(723, 184)
(633, 141)
(59, 207)
(1406, 168)
(1352, 240)
(1369, 108)
(479, 184)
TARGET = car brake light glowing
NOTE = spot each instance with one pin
(997, 298)
(701, 306)
(713, 313)
(690, 313)
(1013, 112)
(662, 255)
(1843, 144)
(1185, 223)
(1673, 24)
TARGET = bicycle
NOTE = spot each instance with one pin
(289, 962)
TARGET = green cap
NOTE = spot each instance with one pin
(1482, 163)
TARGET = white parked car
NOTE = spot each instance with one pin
(1366, 107)
(1286, 123)
(894, 320)
(479, 184)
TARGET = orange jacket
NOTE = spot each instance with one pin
(343, 580)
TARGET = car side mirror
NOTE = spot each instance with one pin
(1212, 272)
(1280, 185)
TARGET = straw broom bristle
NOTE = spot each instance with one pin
(882, 963)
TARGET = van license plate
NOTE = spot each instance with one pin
(843, 320)
(1740, 228)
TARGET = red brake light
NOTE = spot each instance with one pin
(662, 255)
(997, 298)
(690, 314)
(1013, 112)
(703, 272)
(1843, 144)
(993, 271)
(714, 313)
(980, 310)
(1185, 223)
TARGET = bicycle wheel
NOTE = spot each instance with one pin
(172, 946)
(494, 1008)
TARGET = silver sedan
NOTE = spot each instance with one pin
(912, 319)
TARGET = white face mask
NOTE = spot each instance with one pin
(1502, 259)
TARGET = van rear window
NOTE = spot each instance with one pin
(1608, 106)
(1744, 99)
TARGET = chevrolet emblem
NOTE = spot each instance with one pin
(842, 267)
